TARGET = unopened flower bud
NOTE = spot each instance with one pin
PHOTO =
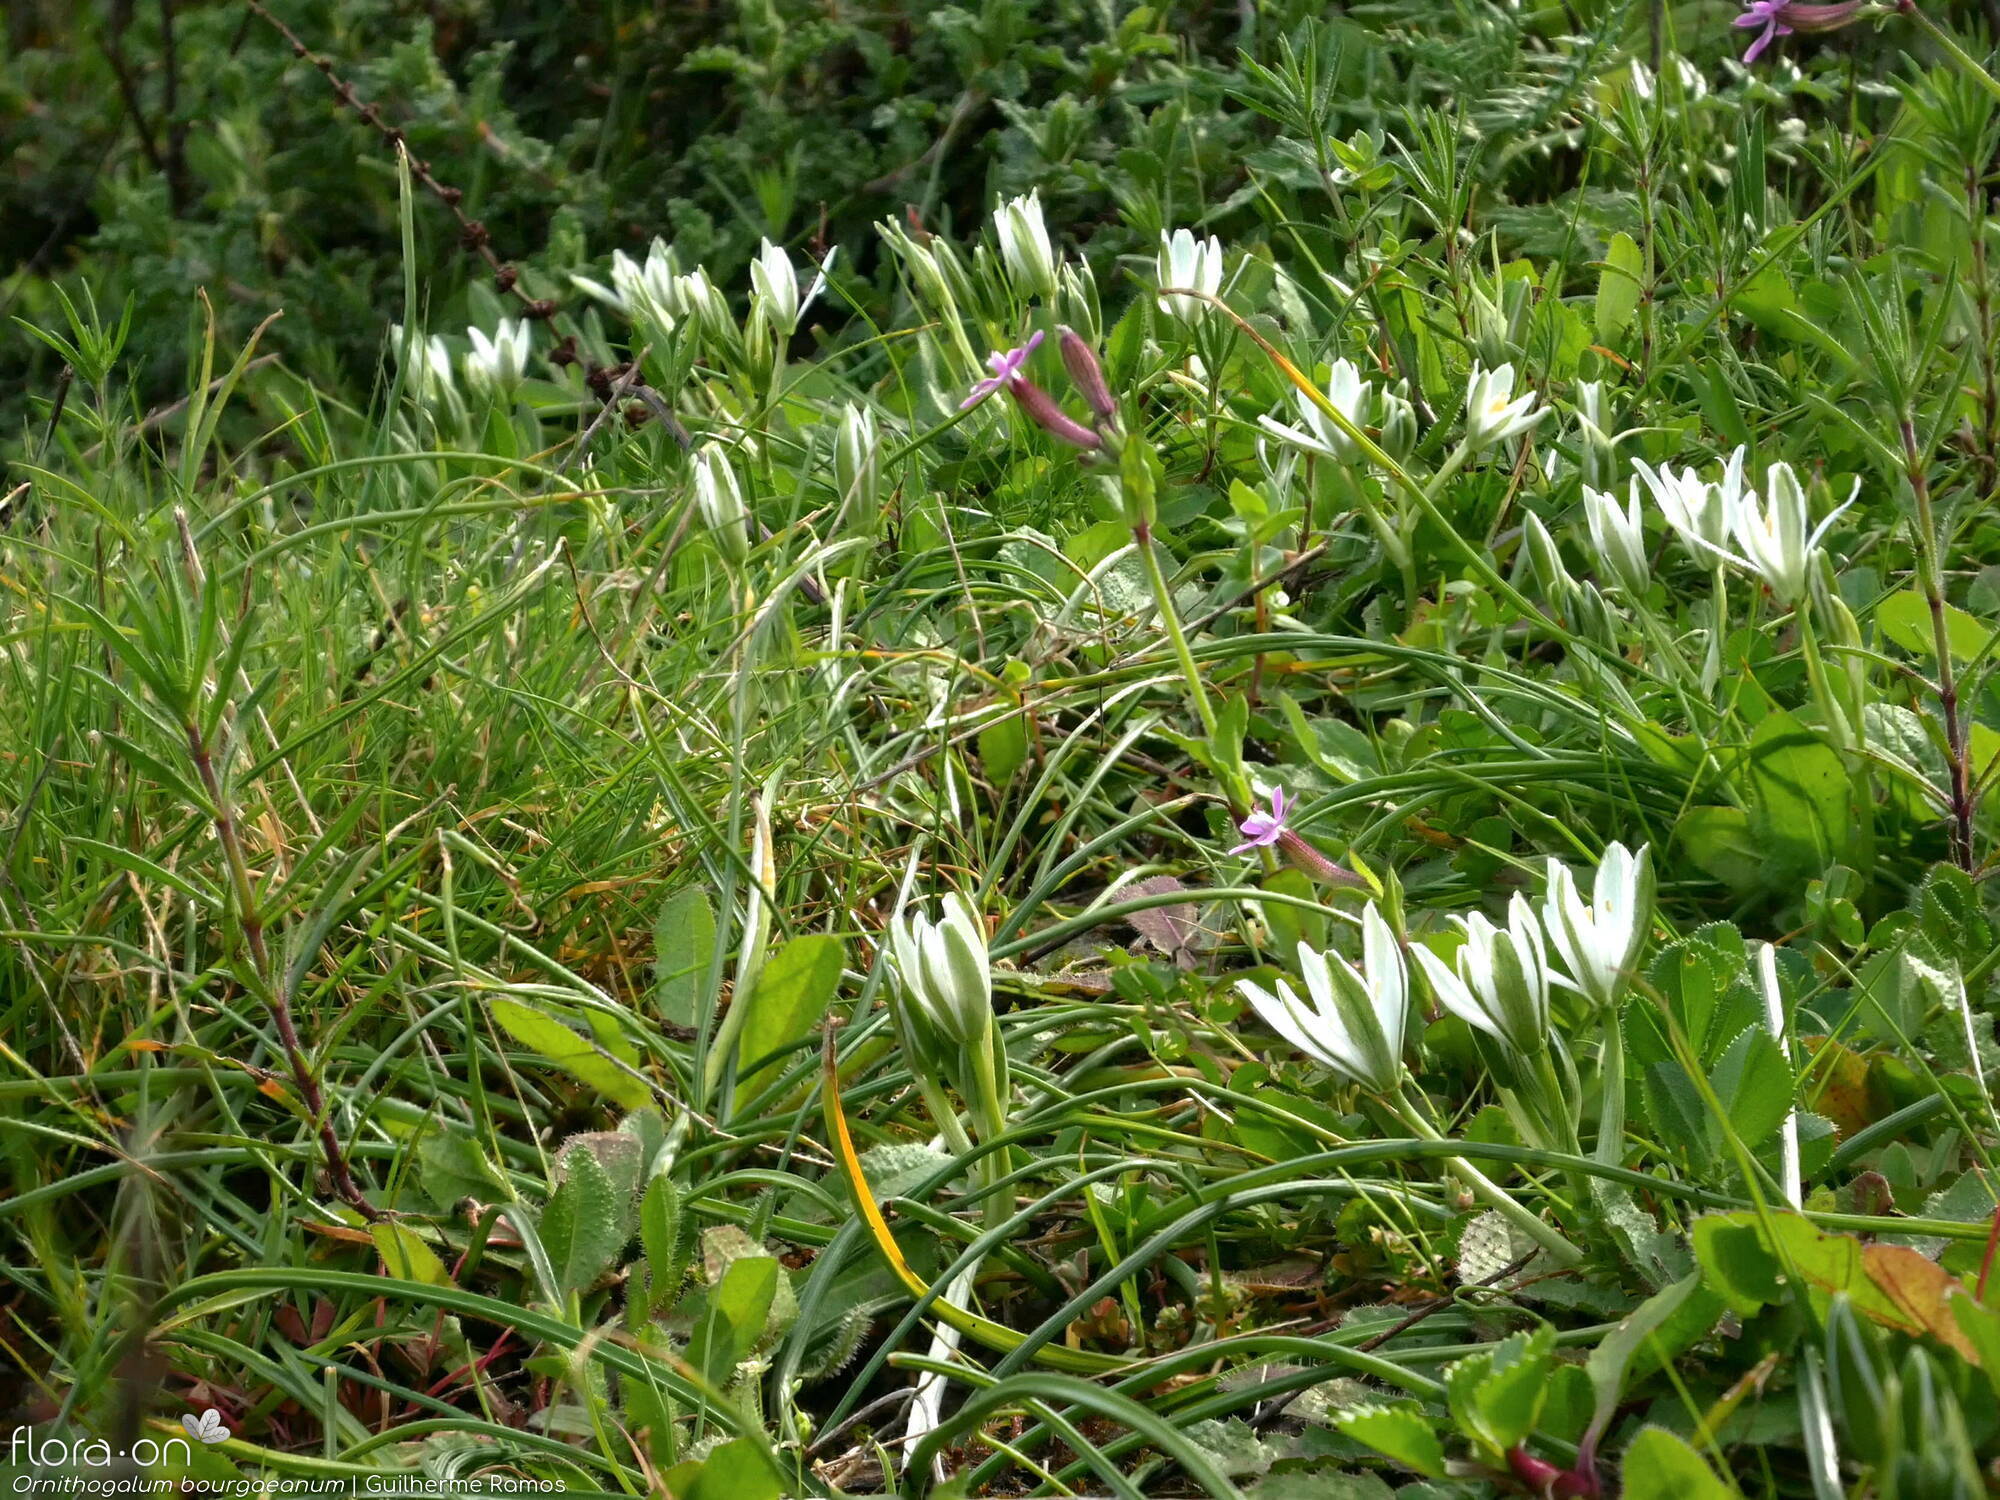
(1081, 362)
(1398, 422)
(943, 967)
(1025, 246)
(719, 497)
(1076, 301)
(1544, 559)
(856, 468)
(774, 286)
(1810, 18)
(1040, 408)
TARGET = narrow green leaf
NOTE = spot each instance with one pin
(138, 864)
(405, 1254)
(555, 1043)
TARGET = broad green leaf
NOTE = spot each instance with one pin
(647, 1128)
(1951, 914)
(1496, 1394)
(451, 1166)
(1704, 980)
(736, 1470)
(1566, 1404)
(1657, 1329)
(1003, 748)
(1752, 1262)
(405, 1255)
(1335, 746)
(555, 1043)
(620, 1154)
(1291, 925)
(683, 951)
(1619, 286)
(1658, 1256)
(606, 1031)
(1905, 618)
(649, 1417)
(1720, 842)
(1980, 1327)
(1755, 1085)
(585, 1224)
(792, 993)
(732, 1321)
(1661, 1466)
(1800, 794)
(1401, 1431)
(722, 1246)
(1324, 1484)
(1736, 1263)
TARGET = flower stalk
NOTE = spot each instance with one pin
(1559, 1250)
(1930, 578)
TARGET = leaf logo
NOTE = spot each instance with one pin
(207, 1427)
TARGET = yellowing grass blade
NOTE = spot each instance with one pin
(993, 1335)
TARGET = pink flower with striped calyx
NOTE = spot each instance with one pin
(1006, 366)
(1263, 829)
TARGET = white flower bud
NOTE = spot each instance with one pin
(1031, 260)
(719, 497)
(1187, 262)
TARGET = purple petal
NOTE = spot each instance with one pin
(1004, 363)
(980, 392)
(1260, 838)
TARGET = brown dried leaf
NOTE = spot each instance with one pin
(1174, 930)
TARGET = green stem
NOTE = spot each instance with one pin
(1966, 62)
(1557, 1103)
(1170, 621)
(1830, 705)
(749, 953)
(1930, 578)
(1610, 1149)
(991, 1109)
(1495, 1197)
(1718, 631)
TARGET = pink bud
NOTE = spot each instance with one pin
(1041, 409)
(1802, 16)
(1081, 362)
(1302, 856)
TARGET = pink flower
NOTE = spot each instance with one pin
(1768, 14)
(1005, 365)
(1261, 830)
